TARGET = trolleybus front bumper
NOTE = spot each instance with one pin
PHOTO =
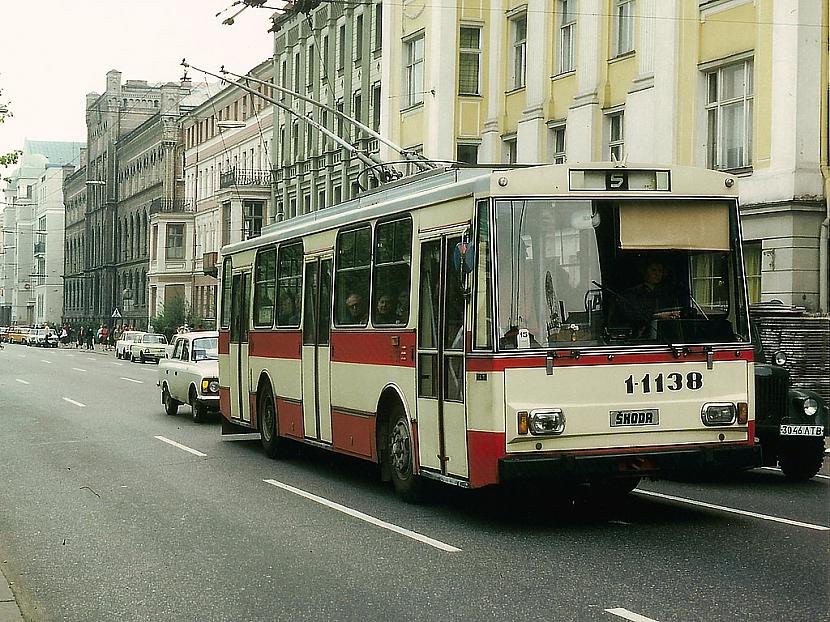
(580, 467)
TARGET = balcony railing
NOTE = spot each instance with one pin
(235, 177)
(209, 263)
(159, 206)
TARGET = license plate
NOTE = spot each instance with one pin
(802, 430)
(645, 416)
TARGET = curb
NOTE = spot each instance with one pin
(9, 611)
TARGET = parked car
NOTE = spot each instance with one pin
(151, 347)
(122, 346)
(790, 423)
(43, 338)
(18, 334)
(191, 375)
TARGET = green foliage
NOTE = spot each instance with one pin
(176, 313)
(7, 158)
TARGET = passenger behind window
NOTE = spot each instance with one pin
(385, 309)
(356, 312)
(289, 311)
(402, 309)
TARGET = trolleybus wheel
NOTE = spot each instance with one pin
(614, 488)
(401, 459)
(268, 427)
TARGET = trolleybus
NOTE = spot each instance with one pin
(583, 323)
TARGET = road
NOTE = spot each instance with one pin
(111, 510)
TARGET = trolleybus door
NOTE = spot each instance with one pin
(316, 350)
(442, 421)
(238, 348)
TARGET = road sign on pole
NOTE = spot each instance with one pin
(116, 313)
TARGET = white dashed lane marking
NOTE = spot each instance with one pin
(78, 404)
(21, 381)
(629, 615)
(131, 380)
(180, 446)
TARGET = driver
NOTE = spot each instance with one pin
(651, 299)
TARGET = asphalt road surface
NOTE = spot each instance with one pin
(111, 510)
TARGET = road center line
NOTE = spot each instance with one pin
(180, 446)
(119, 364)
(45, 361)
(722, 508)
(66, 399)
(131, 380)
(21, 381)
(89, 358)
(629, 615)
(365, 517)
(78, 369)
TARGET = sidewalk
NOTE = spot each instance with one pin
(9, 612)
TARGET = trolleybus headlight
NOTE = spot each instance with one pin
(780, 358)
(547, 422)
(718, 413)
(810, 406)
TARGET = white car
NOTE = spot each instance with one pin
(122, 346)
(151, 347)
(42, 338)
(191, 375)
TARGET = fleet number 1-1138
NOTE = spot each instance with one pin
(660, 383)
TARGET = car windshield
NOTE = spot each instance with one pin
(581, 272)
(206, 349)
(154, 339)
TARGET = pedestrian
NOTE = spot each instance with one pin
(80, 337)
(64, 338)
(105, 337)
(90, 338)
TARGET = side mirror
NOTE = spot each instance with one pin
(464, 260)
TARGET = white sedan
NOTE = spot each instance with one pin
(191, 375)
(122, 346)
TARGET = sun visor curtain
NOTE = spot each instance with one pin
(685, 225)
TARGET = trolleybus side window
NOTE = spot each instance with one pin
(227, 281)
(393, 257)
(264, 288)
(351, 277)
(289, 285)
(483, 281)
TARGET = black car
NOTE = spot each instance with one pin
(790, 423)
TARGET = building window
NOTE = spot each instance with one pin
(175, 241)
(567, 35)
(752, 266)
(623, 26)
(325, 56)
(358, 37)
(253, 218)
(469, 61)
(297, 71)
(357, 108)
(510, 150)
(616, 137)
(729, 116)
(376, 107)
(467, 153)
(378, 25)
(557, 144)
(518, 34)
(341, 47)
(226, 223)
(413, 52)
(309, 66)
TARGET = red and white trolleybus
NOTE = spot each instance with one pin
(584, 323)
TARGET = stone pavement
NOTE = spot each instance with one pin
(9, 612)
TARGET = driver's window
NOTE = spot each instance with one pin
(185, 350)
(177, 350)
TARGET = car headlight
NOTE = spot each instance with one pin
(210, 386)
(810, 406)
(718, 413)
(547, 422)
(780, 358)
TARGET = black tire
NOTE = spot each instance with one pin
(269, 431)
(197, 410)
(171, 406)
(141, 357)
(613, 489)
(801, 461)
(400, 458)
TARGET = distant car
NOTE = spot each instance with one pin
(3, 332)
(191, 375)
(18, 334)
(151, 347)
(122, 346)
(42, 338)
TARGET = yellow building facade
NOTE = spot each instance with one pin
(737, 85)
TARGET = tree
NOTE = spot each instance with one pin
(176, 313)
(7, 158)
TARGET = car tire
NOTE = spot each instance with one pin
(141, 357)
(197, 410)
(801, 461)
(269, 431)
(171, 406)
(399, 455)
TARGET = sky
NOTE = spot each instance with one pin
(54, 52)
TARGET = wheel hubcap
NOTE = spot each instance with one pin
(400, 448)
(267, 420)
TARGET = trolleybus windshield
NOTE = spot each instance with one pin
(578, 273)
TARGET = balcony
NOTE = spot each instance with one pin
(233, 177)
(39, 248)
(209, 264)
(171, 206)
